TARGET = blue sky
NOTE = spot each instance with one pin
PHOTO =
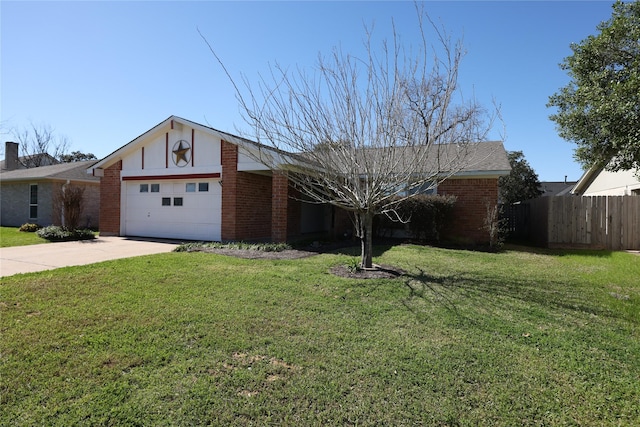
(102, 73)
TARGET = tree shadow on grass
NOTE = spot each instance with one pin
(354, 249)
(469, 297)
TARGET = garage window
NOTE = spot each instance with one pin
(177, 201)
(144, 188)
(191, 187)
(155, 188)
(203, 186)
(166, 201)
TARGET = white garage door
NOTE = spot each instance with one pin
(184, 209)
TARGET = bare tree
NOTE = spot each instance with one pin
(363, 134)
(69, 204)
(39, 145)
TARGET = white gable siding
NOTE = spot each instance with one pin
(607, 183)
(152, 163)
(204, 154)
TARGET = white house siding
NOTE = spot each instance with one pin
(607, 183)
(152, 165)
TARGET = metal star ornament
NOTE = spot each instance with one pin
(181, 152)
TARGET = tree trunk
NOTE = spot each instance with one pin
(366, 242)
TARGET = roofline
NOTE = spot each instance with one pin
(48, 178)
(237, 140)
(480, 173)
(586, 179)
(250, 145)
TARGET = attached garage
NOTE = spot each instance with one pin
(188, 209)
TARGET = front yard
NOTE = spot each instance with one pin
(464, 338)
(12, 236)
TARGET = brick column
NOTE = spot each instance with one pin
(280, 198)
(470, 209)
(110, 196)
(229, 157)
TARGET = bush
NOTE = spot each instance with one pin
(263, 247)
(29, 227)
(425, 217)
(54, 233)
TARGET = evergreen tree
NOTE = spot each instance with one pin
(522, 182)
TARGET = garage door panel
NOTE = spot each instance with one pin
(199, 217)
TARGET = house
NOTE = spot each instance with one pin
(184, 180)
(599, 182)
(13, 162)
(29, 194)
(556, 188)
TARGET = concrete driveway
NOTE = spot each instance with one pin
(48, 256)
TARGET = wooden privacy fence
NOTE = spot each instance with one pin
(595, 222)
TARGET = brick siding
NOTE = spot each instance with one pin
(279, 209)
(470, 209)
(110, 193)
(90, 216)
(229, 159)
(246, 200)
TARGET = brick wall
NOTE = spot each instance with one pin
(89, 218)
(229, 159)
(253, 209)
(471, 207)
(14, 203)
(279, 208)
(294, 213)
(110, 192)
(246, 200)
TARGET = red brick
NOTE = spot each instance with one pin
(110, 193)
(470, 210)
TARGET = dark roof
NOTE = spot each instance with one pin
(485, 158)
(25, 162)
(482, 158)
(75, 171)
(556, 188)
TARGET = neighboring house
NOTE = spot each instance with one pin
(187, 181)
(12, 161)
(28, 195)
(556, 188)
(599, 182)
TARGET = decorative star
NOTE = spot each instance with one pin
(181, 153)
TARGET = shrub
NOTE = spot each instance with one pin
(29, 227)
(263, 247)
(54, 233)
(69, 201)
(425, 217)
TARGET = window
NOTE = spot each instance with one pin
(203, 186)
(33, 201)
(191, 187)
(177, 201)
(166, 201)
(144, 188)
(427, 188)
(155, 188)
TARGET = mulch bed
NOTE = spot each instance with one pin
(379, 272)
(253, 254)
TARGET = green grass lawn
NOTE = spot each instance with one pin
(465, 338)
(10, 236)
